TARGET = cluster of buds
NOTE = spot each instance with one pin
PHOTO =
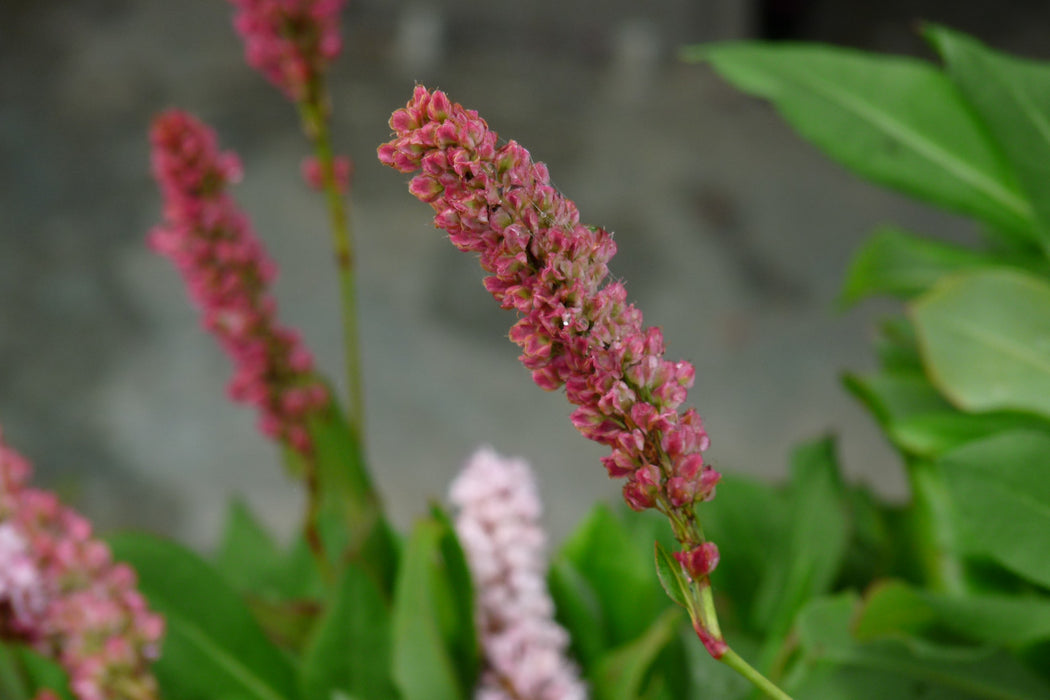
(228, 274)
(574, 332)
(291, 42)
(498, 524)
(62, 593)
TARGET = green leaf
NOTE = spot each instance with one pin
(1002, 500)
(748, 520)
(578, 611)
(836, 665)
(669, 572)
(814, 552)
(621, 673)
(895, 396)
(424, 665)
(352, 524)
(1012, 97)
(897, 121)
(985, 340)
(247, 553)
(903, 265)
(213, 647)
(620, 574)
(24, 673)
(932, 434)
(349, 650)
(895, 607)
(897, 348)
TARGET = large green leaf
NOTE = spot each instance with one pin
(247, 553)
(897, 121)
(1001, 491)
(350, 648)
(578, 611)
(835, 666)
(213, 647)
(424, 661)
(898, 263)
(985, 339)
(24, 672)
(932, 434)
(1012, 97)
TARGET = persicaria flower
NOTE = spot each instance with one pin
(228, 274)
(498, 524)
(575, 330)
(342, 170)
(61, 593)
(291, 42)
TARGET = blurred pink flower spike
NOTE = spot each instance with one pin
(228, 274)
(62, 593)
(498, 524)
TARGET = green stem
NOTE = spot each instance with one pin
(735, 662)
(933, 539)
(315, 123)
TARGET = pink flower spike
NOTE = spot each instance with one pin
(291, 42)
(62, 594)
(227, 274)
(498, 524)
(574, 329)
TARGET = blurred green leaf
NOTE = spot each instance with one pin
(900, 264)
(835, 665)
(748, 520)
(352, 524)
(932, 434)
(620, 574)
(897, 348)
(985, 339)
(1001, 491)
(424, 664)
(895, 396)
(349, 650)
(578, 611)
(1012, 97)
(893, 608)
(24, 673)
(622, 672)
(213, 646)
(898, 121)
(818, 532)
(247, 554)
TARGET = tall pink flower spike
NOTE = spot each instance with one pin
(61, 593)
(227, 274)
(498, 524)
(291, 42)
(574, 332)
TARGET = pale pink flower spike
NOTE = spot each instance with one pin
(498, 524)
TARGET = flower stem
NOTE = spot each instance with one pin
(735, 662)
(314, 117)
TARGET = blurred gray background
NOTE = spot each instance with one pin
(733, 236)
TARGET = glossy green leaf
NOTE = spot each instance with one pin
(1001, 491)
(836, 665)
(621, 674)
(424, 665)
(985, 339)
(818, 533)
(897, 263)
(618, 571)
(1012, 97)
(349, 651)
(213, 647)
(897, 121)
